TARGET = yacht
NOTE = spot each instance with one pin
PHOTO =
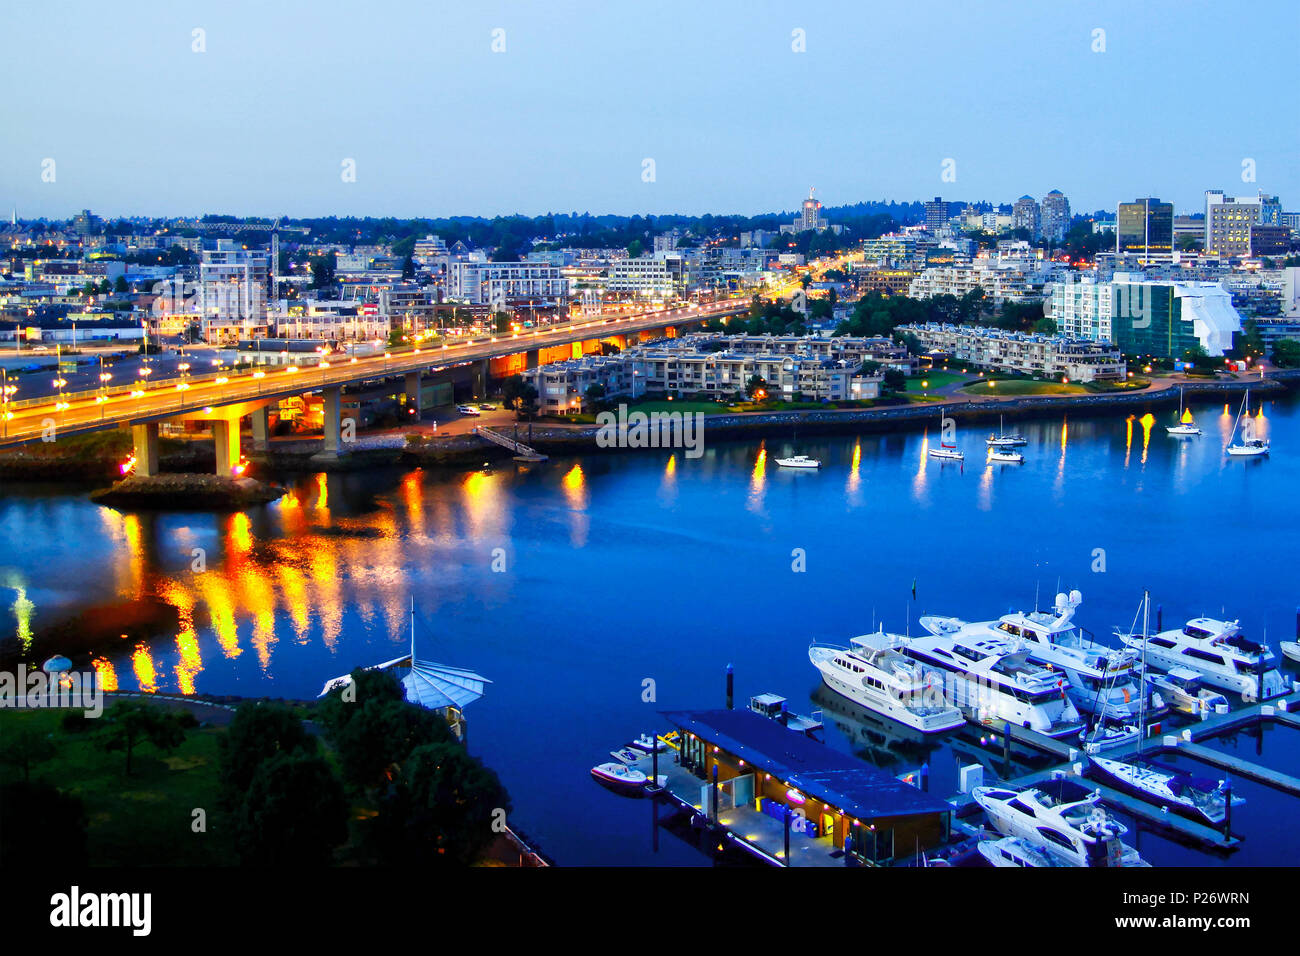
(1184, 691)
(874, 673)
(1078, 832)
(991, 678)
(1003, 440)
(799, 461)
(1248, 446)
(1188, 796)
(1099, 679)
(1185, 427)
(1006, 457)
(1217, 652)
(1291, 649)
(1013, 851)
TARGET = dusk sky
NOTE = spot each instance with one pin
(735, 121)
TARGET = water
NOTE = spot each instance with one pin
(625, 568)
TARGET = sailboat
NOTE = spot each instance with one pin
(1003, 440)
(798, 461)
(946, 451)
(447, 690)
(1185, 428)
(1247, 447)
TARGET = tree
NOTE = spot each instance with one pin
(1286, 353)
(257, 733)
(501, 322)
(408, 268)
(1188, 243)
(294, 813)
(131, 722)
(120, 287)
(25, 747)
(895, 380)
(323, 269)
(635, 249)
(595, 392)
(756, 388)
(440, 810)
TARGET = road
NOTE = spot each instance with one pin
(159, 398)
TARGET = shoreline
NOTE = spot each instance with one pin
(466, 451)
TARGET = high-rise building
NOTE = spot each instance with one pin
(1025, 215)
(936, 215)
(812, 213)
(1055, 216)
(1145, 228)
(1227, 224)
(232, 291)
(1270, 210)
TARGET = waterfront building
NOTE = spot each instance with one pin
(1046, 356)
(1227, 224)
(1145, 228)
(1013, 279)
(768, 773)
(1055, 216)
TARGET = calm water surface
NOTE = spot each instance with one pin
(623, 568)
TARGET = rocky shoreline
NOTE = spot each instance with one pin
(184, 491)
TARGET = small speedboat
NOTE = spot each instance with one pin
(1290, 649)
(627, 755)
(619, 777)
(1181, 793)
(648, 743)
(1013, 851)
(1008, 457)
(1107, 735)
(799, 461)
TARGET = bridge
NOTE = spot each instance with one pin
(223, 400)
(516, 447)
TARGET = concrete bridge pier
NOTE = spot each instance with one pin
(532, 358)
(145, 438)
(333, 449)
(412, 388)
(225, 433)
(482, 369)
(261, 429)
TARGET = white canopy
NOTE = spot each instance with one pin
(437, 686)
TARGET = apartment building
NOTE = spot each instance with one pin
(1228, 222)
(503, 283)
(1043, 356)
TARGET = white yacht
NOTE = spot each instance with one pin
(1185, 428)
(875, 674)
(1006, 457)
(947, 453)
(1080, 832)
(1203, 800)
(1291, 649)
(1100, 679)
(1013, 851)
(1184, 691)
(799, 461)
(991, 678)
(1217, 652)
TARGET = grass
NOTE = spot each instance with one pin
(933, 380)
(1016, 386)
(141, 820)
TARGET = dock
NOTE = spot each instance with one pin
(521, 451)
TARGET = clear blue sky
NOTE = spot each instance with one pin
(735, 121)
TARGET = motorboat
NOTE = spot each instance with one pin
(1099, 679)
(1188, 796)
(991, 678)
(1013, 851)
(627, 755)
(648, 743)
(1291, 649)
(1003, 440)
(1006, 457)
(619, 777)
(1184, 691)
(1248, 446)
(1217, 652)
(1108, 734)
(875, 674)
(799, 461)
(1079, 832)
(1185, 428)
(772, 706)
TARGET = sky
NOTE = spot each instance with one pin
(116, 105)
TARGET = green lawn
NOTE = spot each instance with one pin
(141, 820)
(1018, 386)
(932, 380)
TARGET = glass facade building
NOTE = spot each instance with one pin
(1145, 228)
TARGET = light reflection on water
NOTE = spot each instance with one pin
(623, 567)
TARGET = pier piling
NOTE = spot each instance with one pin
(731, 686)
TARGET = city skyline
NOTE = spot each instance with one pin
(264, 119)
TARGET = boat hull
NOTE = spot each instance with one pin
(1113, 773)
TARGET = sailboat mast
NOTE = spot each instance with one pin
(412, 630)
(1142, 702)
